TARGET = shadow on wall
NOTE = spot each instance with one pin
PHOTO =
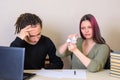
(113, 38)
(57, 38)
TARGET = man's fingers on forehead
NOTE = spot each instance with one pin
(27, 27)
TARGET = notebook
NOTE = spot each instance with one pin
(12, 64)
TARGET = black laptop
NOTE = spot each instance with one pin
(12, 64)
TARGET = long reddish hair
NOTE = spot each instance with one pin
(96, 31)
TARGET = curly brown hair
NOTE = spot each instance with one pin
(27, 19)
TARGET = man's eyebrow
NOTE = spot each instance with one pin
(35, 35)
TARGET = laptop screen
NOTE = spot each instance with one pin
(11, 63)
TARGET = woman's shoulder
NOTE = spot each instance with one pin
(102, 46)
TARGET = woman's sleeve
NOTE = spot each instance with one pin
(99, 60)
(67, 53)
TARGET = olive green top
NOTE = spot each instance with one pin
(98, 56)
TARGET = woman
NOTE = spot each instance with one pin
(90, 51)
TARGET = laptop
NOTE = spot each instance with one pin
(12, 64)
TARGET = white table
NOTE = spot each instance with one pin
(102, 75)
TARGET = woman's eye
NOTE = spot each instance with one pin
(89, 26)
(82, 28)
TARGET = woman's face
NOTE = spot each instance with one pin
(87, 29)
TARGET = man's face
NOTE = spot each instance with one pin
(35, 34)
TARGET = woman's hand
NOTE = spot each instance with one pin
(73, 35)
(68, 45)
(72, 47)
(72, 44)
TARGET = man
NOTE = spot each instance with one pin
(37, 46)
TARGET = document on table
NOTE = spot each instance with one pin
(63, 73)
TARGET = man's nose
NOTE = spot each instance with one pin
(35, 38)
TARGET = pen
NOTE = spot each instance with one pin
(74, 72)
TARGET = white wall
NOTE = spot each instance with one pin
(61, 17)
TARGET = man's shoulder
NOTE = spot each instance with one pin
(45, 37)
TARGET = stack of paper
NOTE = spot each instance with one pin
(115, 64)
(80, 74)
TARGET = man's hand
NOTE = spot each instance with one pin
(25, 32)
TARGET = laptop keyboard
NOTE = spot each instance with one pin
(27, 76)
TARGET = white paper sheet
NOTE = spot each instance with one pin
(63, 73)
